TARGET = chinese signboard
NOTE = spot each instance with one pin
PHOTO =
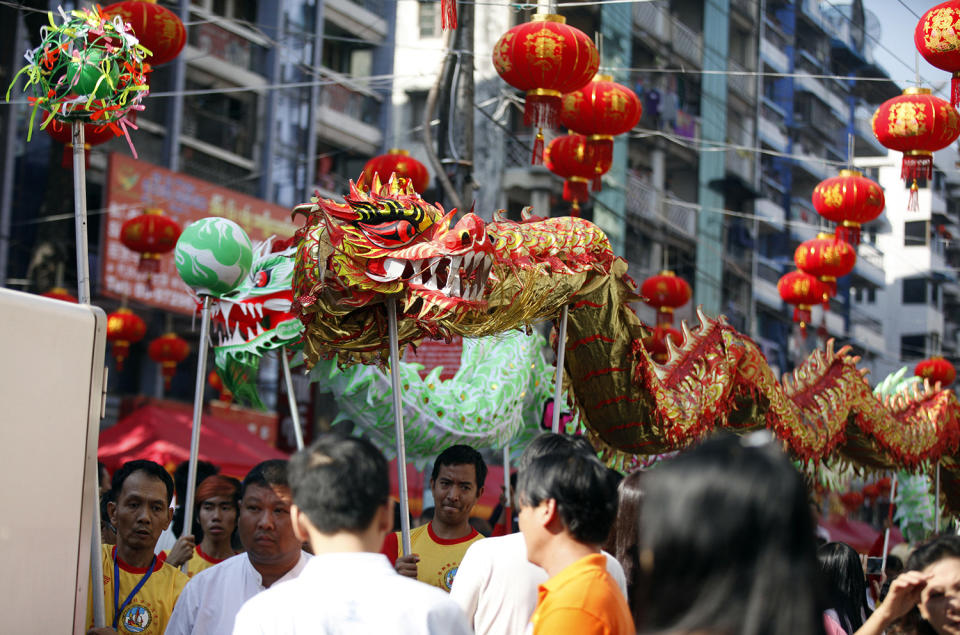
(135, 185)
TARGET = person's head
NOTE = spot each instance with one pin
(140, 511)
(550, 443)
(569, 492)
(180, 473)
(622, 541)
(844, 585)
(340, 485)
(108, 533)
(456, 483)
(939, 605)
(425, 516)
(264, 524)
(727, 542)
(103, 474)
(217, 504)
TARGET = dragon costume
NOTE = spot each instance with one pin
(476, 279)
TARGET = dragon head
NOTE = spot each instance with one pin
(256, 317)
(389, 242)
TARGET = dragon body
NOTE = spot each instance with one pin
(477, 279)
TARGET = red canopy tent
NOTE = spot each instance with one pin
(858, 534)
(162, 434)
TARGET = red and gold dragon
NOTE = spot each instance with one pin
(476, 278)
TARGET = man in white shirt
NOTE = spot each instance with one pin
(496, 586)
(341, 504)
(210, 601)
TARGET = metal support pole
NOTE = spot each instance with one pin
(96, 556)
(506, 480)
(197, 412)
(80, 213)
(936, 501)
(886, 533)
(291, 398)
(398, 426)
(558, 388)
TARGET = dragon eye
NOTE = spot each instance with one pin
(391, 234)
(261, 279)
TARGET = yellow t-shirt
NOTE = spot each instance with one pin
(149, 610)
(439, 558)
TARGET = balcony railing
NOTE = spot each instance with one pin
(350, 98)
(740, 82)
(658, 22)
(229, 46)
(646, 202)
(870, 254)
(687, 42)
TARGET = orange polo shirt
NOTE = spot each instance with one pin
(583, 598)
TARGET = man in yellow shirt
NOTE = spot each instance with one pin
(438, 547)
(140, 590)
(568, 501)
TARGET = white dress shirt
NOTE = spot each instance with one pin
(355, 593)
(211, 599)
(496, 586)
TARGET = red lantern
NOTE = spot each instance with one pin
(802, 290)
(849, 200)
(217, 384)
(168, 351)
(59, 293)
(871, 491)
(656, 342)
(546, 58)
(150, 234)
(883, 486)
(936, 369)
(826, 257)
(124, 327)
(567, 157)
(917, 124)
(93, 135)
(397, 162)
(159, 29)
(601, 110)
(936, 39)
(851, 500)
(665, 292)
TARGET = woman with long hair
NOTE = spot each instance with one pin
(925, 598)
(727, 543)
(622, 542)
(845, 587)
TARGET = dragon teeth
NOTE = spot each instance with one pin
(225, 307)
(259, 329)
(244, 307)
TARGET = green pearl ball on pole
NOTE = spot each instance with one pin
(213, 255)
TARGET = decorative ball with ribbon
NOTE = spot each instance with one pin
(213, 255)
(936, 38)
(849, 200)
(917, 124)
(88, 69)
(546, 58)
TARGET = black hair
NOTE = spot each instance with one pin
(105, 499)
(180, 473)
(339, 482)
(584, 490)
(141, 465)
(727, 543)
(924, 555)
(270, 473)
(549, 443)
(427, 513)
(624, 536)
(461, 455)
(844, 584)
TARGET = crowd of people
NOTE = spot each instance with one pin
(718, 540)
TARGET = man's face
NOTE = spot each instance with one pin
(264, 525)
(455, 492)
(218, 516)
(141, 512)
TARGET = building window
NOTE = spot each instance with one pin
(913, 346)
(914, 290)
(429, 18)
(915, 233)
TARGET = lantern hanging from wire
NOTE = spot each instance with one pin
(159, 29)
(59, 293)
(917, 124)
(124, 327)
(936, 369)
(150, 234)
(398, 162)
(545, 58)
(802, 290)
(665, 292)
(826, 257)
(656, 342)
(168, 350)
(849, 199)
(567, 157)
(601, 110)
(936, 38)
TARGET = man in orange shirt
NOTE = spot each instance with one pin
(568, 502)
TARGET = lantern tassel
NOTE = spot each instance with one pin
(575, 209)
(849, 233)
(537, 158)
(955, 89)
(917, 166)
(913, 201)
(448, 14)
(575, 190)
(597, 182)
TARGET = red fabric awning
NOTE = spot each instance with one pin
(859, 535)
(162, 434)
